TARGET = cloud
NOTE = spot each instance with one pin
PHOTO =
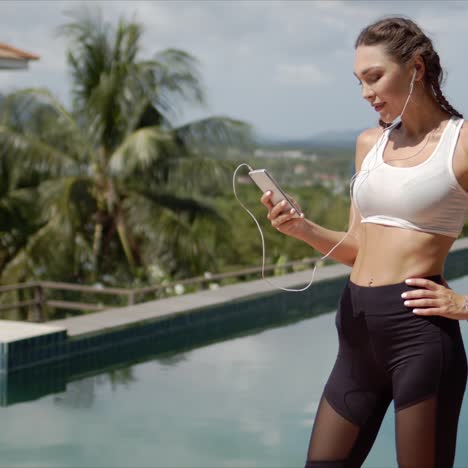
(302, 75)
(252, 53)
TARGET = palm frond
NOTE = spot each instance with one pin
(144, 114)
(127, 41)
(59, 247)
(168, 225)
(69, 198)
(187, 209)
(141, 149)
(50, 253)
(33, 156)
(36, 112)
(197, 174)
(18, 269)
(172, 79)
(214, 134)
(17, 208)
(89, 50)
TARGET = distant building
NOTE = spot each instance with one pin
(12, 58)
(273, 153)
(293, 154)
(300, 169)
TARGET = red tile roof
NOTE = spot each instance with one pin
(12, 53)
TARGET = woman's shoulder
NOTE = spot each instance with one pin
(365, 141)
(463, 138)
(369, 136)
(464, 129)
(461, 161)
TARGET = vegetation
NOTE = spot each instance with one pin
(111, 190)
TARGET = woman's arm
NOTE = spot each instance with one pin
(319, 237)
(324, 240)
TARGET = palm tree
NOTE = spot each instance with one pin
(111, 188)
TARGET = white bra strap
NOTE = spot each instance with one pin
(454, 134)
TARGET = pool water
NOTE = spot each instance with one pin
(244, 402)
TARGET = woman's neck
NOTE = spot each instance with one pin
(421, 116)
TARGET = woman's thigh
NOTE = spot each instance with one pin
(336, 442)
(355, 398)
(428, 392)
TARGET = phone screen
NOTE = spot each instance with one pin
(266, 182)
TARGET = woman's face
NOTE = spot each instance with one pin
(385, 84)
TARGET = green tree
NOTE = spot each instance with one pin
(111, 188)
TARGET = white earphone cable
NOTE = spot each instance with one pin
(351, 191)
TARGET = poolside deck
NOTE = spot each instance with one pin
(24, 345)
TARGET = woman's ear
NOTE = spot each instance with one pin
(420, 68)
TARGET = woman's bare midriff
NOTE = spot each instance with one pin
(390, 255)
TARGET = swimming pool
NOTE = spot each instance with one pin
(245, 402)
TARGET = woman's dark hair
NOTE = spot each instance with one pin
(403, 39)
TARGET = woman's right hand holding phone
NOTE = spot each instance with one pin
(281, 217)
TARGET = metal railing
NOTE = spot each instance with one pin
(39, 288)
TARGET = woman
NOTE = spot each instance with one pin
(398, 340)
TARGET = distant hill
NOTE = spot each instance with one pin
(344, 139)
(341, 138)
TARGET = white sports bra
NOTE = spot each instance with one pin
(426, 197)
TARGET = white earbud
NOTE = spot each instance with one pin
(407, 99)
(412, 80)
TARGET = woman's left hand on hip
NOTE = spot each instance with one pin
(434, 299)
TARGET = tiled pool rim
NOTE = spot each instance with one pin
(166, 324)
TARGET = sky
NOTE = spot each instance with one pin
(286, 67)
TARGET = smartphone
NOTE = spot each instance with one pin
(265, 182)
